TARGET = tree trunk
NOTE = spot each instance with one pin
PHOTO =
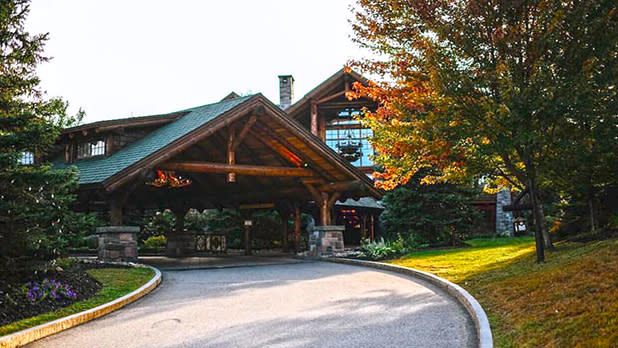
(538, 226)
(545, 232)
(592, 220)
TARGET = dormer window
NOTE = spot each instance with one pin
(27, 158)
(90, 149)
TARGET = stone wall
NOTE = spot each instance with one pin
(504, 219)
(326, 240)
(117, 243)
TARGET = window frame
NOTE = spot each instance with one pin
(90, 149)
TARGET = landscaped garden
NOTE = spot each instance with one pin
(568, 301)
(30, 299)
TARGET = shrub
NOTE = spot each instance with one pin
(156, 242)
(380, 249)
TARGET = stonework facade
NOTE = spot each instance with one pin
(504, 219)
(117, 243)
(325, 240)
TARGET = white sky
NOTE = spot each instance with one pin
(130, 58)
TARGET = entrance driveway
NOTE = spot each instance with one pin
(309, 304)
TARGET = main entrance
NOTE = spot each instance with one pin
(242, 153)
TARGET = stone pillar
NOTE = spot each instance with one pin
(504, 219)
(117, 243)
(326, 240)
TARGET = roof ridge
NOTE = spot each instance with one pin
(245, 97)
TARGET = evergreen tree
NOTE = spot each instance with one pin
(438, 214)
(35, 219)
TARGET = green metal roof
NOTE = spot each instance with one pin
(97, 170)
(363, 202)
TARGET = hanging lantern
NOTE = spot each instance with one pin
(169, 178)
(350, 149)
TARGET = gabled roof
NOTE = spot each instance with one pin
(197, 123)
(98, 170)
(325, 87)
(126, 122)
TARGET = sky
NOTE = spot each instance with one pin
(119, 59)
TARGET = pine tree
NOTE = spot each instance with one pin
(35, 215)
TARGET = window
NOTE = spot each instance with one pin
(334, 137)
(90, 149)
(27, 158)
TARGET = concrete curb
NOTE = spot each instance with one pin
(481, 323)
(23, 337)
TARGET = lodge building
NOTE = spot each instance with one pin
(243, 152)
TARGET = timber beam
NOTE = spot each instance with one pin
(354, 185)
(241, 169)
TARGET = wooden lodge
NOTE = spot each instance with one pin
(240, 153)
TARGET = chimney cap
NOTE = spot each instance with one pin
(281, 77)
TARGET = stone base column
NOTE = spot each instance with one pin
(504, 219)
(180, 244)
(325, 240)
(117, 243)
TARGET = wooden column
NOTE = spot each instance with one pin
(325, 203)
(115, 212)
(322, 128)
(314, 118)
(284, 229)
(179, 226)
(248, 240)
(231, 154)
(363, 226)
(178, 242)
(372, 231)
(297, 228)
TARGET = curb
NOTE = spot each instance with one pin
(23, 337)
(481, 323)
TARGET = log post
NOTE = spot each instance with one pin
(284, 229)
(297, 228)
(231, 154)
(314, 118)
(322, 128)
(115, 211)
(372, 228)
(179, 243)
(248, 240)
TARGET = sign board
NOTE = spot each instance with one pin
(248, 223)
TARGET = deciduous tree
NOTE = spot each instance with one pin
(485, 87)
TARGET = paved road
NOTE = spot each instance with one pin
(314, 304)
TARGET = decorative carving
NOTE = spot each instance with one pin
(169, 178)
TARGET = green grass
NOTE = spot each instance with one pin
(116, 282)
(568, 301)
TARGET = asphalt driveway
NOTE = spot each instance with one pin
(310, 304)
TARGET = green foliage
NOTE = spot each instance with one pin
(116, 282)
(159, 224)
(35, 219)
(382, 249)
(522, 93)
(226, 221)
(156, 242)
(266, 229)
(437, 214)
(195, 221)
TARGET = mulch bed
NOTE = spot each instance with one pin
(34, 290)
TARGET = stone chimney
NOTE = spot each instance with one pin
(286, 91)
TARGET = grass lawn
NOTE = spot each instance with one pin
(116, 283)
(569, 301)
